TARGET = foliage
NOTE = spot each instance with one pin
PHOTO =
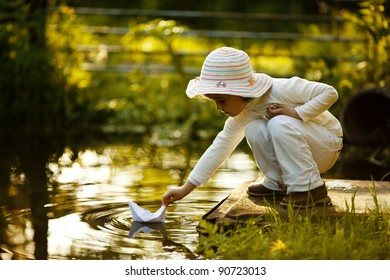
(29, 95)
(373, 24)
(42, 87)
(63, 37)
(356, 65)
(354, 236)
(151, 94)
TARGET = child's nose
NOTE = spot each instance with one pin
(219, 107)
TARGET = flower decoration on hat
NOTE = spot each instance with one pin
(221, 84)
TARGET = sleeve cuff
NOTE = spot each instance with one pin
(193, 181)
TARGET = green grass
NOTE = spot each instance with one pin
(354, 236)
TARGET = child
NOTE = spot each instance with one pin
(286, 124)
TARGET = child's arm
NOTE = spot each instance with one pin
(315, 97)
(223, 145)
(177, 193)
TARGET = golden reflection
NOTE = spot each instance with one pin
(103, 181)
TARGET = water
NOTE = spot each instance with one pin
(82, 212)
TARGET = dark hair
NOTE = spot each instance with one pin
(246, 99)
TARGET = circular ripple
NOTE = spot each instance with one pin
(112, 218)
(102, 230)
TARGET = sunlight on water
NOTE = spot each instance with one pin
(238, 168)
(87, 212)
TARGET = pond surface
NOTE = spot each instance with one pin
(70, 201)
(83, 213)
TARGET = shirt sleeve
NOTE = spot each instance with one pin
(314, 97)
(221, 148)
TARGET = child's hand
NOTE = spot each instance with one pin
(173, 194)
(282, 109)
(177, 193)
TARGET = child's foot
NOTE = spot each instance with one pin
(315, 197)
(258, 189)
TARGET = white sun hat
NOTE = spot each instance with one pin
(228, 71)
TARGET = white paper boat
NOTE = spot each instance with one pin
(143, 215)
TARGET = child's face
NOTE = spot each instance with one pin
(230, 105)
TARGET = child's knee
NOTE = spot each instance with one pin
(256, 131)
(280, 125)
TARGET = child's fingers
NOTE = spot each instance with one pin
(165, 201)
(272, 110)
(167, 198)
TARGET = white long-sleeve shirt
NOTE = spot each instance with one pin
(310, 99)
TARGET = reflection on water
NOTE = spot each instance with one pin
(62, 201)
(75, 205)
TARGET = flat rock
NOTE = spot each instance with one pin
(355, 196)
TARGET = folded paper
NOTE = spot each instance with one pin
(143, 215)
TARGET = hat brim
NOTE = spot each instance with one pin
(261, 85)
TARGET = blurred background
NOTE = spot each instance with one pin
(92, 94)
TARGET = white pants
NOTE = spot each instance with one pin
(290, 153)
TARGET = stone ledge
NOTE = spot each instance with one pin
(347, 195)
